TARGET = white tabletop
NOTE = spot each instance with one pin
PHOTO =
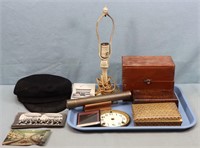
(68, 137)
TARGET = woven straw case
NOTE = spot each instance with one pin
(156, 114)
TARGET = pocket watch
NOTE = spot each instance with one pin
(114, 118)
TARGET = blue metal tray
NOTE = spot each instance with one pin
(188, 117)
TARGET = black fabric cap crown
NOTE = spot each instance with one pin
(43, 92)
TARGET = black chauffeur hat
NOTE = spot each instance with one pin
(43, 92)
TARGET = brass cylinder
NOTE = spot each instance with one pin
(96, 99)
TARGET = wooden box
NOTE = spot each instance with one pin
(147, 72)
(154, 96)
(150, 78)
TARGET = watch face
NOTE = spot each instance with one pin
(114, 118)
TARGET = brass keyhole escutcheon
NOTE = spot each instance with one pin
(147, 81)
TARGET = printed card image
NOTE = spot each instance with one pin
(26, 137)
(82, 90)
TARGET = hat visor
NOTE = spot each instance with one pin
(49, 107)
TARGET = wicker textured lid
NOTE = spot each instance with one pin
(156, 112)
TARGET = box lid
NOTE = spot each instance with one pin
(156, 112)
(147, 61)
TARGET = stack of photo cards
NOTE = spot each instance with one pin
(82, 90)
(19, 137)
